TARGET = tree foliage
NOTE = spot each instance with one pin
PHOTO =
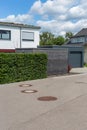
(47, 38)
(59, 40)
(68, 35)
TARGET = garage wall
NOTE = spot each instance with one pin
(57, 59)
(75, 55)
(85, 54)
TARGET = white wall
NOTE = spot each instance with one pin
(15, 38)
(31, 44)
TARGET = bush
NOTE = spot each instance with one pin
(85, 64)
(20, 67)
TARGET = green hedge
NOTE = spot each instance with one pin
(85, 64)
(16, 67)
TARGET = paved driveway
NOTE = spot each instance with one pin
(22, 111)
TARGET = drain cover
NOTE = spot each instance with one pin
(29, 91)
(25, 85)
(47, 98)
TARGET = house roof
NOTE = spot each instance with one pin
(82, 32)
(19, 25)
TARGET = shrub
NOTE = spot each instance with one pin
(16, 67)
(85, 64)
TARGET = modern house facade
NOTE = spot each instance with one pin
(80, 39)
(14, 35)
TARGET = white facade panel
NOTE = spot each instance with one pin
(16, 40)
(30, 44)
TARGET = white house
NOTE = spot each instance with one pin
(15, 35)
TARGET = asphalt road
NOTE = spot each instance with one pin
(23, 111)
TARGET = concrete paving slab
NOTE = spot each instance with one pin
(20, 111)
(70, 116)
(79, 70)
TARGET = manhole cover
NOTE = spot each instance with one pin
(47, 98)
(29, 91)
(25, 85)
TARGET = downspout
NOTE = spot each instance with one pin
(20, 38)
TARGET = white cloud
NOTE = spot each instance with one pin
(50, 6)
(77, 12)
(36, 8)
(25, 18)
(60, 15)
(64, 15)
(56, 27)
(57, 16)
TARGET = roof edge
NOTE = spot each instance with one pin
(12, 24)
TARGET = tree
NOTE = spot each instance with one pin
(46, 38)
(68, 35)
(59, 40)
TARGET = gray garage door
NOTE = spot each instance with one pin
(75, 59)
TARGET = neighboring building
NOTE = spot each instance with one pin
(15, 35)
(80, 39)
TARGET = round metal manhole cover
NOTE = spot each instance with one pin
(47, 98)
(25, 85)
(29, 91)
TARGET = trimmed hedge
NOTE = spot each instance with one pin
(16, 67)
(85, 64)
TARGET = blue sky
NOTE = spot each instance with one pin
(9, 7)
(56, 16)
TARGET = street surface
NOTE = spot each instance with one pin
(22, 111)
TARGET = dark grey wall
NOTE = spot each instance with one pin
(57, 58)
(75, 54)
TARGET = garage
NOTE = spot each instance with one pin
(75, 59)
(75, 55)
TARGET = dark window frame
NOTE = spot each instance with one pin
(30, 39)
(2, 32)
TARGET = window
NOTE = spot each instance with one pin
(73, 40)
(5, 35)
(78, 40)
(28, 36)
(81, 39)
